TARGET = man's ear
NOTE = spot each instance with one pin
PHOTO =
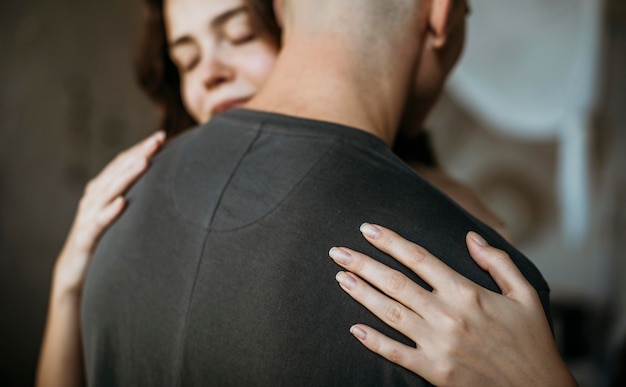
(279, 12)
(440, 15)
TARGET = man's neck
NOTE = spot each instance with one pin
(324, 80)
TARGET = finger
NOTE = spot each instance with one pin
(392, 313)
(125, 160)
(393, 283)
(408, 357)
(149, 145)
(87, 235)
(102, 190)
(120, 180)
(499, 265)
(110, 212)
(108, 215)
(145, 149)
(432, 270)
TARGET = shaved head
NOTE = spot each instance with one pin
(347, 61)
(359, 20)
(371, 30)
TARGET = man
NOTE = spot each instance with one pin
(218, 273)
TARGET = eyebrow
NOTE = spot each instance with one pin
(215, 23)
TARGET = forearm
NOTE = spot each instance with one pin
(60, 360)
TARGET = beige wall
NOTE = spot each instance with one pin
(68, 103)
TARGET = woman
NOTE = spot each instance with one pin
(213, 77)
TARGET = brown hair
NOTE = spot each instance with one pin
(158, 76)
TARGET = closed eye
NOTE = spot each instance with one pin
(190, 65)
(244, 39)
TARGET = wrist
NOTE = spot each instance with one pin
(65, 287)
(68, 274)
(552, 372)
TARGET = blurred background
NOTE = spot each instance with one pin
(533, 119)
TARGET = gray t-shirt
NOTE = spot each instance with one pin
(218, 271)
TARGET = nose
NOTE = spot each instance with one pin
(216, 72)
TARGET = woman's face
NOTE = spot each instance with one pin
(222, 61)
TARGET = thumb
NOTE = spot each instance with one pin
(498, 264)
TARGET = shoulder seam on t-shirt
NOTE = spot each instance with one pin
(233, 173)
(331, 144)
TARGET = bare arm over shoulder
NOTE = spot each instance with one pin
(60, 359)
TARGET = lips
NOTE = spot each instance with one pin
(228, 104)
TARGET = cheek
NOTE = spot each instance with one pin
(259, 66)
(191, 93)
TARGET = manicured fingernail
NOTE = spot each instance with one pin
(346, 280)
(478, 239)
(358, 333)
(340, 256)
(370, 231)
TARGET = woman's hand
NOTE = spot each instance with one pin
(60, 360)
(464, 334)
(100, 205)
